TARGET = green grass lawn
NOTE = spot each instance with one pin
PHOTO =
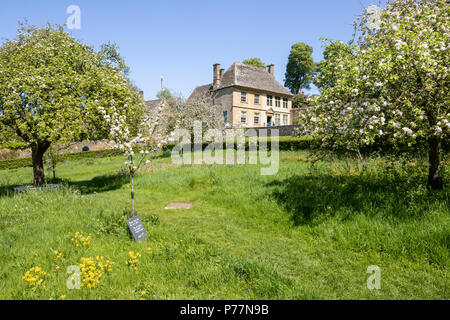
(309, 232)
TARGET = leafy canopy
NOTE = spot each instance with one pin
(393, 84)
(301, 100)
(255, 62)
(51, 86)
(334, 51)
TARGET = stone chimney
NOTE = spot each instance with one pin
(216, 74)
(141, 93)
(222, 71)
(270, 68)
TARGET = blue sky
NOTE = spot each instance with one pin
(181, 40)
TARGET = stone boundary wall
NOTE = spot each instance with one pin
(7, 154)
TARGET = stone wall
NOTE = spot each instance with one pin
(6, 154)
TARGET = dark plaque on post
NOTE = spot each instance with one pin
(137, 228)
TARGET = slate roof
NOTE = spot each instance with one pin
(246, 76)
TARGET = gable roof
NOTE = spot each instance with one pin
(252, 77)
(201, 91)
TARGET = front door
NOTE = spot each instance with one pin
(269, 121)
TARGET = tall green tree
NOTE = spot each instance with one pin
(255, 62)
(51, 86)
(300, 68)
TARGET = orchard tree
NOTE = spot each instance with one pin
(200, 108)
(51, 86)
(7, 135)
(336, 50)
(393, 86)
(168, 111)
(300, 68)
(255, 62)
(127, 140)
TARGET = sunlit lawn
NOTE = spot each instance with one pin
(309, 232)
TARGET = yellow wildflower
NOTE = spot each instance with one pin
(80, 240)
(58, 255)
(34, 277)
(92, 270)
(133, 259)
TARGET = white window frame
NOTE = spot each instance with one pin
(257, 97)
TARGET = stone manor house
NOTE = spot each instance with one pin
(249, 96)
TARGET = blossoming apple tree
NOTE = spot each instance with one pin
(200, 107)
(392, 85)
(127, 141)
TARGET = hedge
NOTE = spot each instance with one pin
(285, 144)
(26, 162)
(308, 143)
(16, 163)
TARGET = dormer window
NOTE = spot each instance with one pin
(243, 96)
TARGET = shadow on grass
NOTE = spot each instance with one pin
(311, 199)
(6, 191)
(98, 184)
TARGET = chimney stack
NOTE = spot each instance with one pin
(222, 71)
(216, 74)
(141, 93)
(270, 68)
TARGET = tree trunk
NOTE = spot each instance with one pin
(434, 177)
(37, 155)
